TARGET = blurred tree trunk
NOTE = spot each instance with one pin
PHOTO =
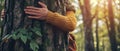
(112, 32)
(97, 26)
(103, 45)
(52, 39)
(97, 37)
(87, 19)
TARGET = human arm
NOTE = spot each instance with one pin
(65, 23)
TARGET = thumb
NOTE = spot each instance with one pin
(42, 5)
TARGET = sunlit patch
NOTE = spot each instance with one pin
(118, 46)
(93, 3)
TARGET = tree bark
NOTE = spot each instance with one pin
(52, 39)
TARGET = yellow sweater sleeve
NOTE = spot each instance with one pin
(65, 23)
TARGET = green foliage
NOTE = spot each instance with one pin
(37, 31)
(26, 35)
(34, 46)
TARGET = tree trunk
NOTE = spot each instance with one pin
(112, 33)
(97, 37)
(97, 26)
(87, 19)
(51, 39)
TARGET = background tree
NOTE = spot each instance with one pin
(97, 25)
(112, 32)
(87, 21)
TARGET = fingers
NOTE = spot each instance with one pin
(37, 13)
(32, 13)
(33, 17)
(40, 17)
(31, 7)
(32, 10)
(42, 5)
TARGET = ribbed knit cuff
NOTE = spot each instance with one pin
(50, 16)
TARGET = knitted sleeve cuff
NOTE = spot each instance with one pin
(66, 23)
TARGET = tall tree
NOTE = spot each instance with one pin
(87, 21)
(97, 37)
(24, 34)
(112, 32)
(97, 26)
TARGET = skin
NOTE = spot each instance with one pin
(37, 13)
(2, 13)
(41, 14)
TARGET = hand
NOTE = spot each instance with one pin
(2, 13)
(37, 13)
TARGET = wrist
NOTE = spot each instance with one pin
(49, 15)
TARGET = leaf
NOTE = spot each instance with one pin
(7, 37)
(23, 31)
(29, 35)
(34, 46)
(36, 31)
(23, 38)
(14, 37)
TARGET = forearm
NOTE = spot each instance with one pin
(66, 23)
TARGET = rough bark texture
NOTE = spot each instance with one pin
(15, 18)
